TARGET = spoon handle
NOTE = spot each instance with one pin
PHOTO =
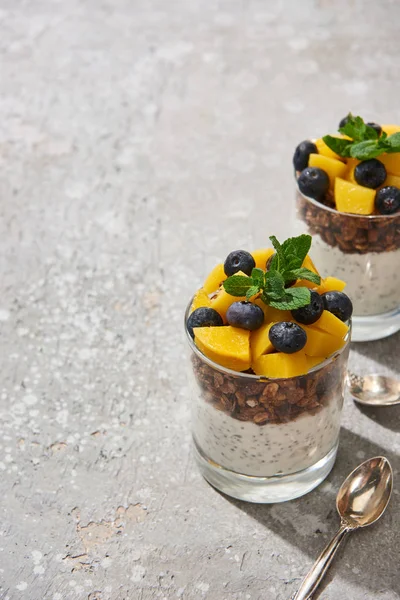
(321, 565)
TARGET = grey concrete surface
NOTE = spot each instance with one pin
(140, 142)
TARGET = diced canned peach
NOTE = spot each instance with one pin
(259, 341)
(227, 346)
(331, 284)
(352, 198)
(261, 256)
(391, 162)
(321, 343)
(280, 365)
(200, 300)
(331, 324)
(390, 129)
(332, 167)
(214, 279)
(325, 150)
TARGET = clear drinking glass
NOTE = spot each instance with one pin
(364, 251)
(265, 440)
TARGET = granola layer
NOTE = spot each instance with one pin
(353, 234)
(268, 401)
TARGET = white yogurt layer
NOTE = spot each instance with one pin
(266, 450)
(373, 279)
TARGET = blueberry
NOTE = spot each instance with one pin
(338, 304)
(343, 121)
(310, 313)
(239, 260)
(370, 173)
(387, 200)
(313, 182)
(302, 154)
(245, 315)
(287, 337)
(203, 317)
(377, 128)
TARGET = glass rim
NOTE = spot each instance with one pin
(343, 214)
(261, 378)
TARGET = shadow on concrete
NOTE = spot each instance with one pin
(386, 416)
(368, 558)
(385, 352)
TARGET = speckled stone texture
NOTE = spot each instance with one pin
(140, 142)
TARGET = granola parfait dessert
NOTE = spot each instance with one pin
(348, 198)
(269, 341)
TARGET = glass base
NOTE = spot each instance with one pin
(375, 327)
(264, 490)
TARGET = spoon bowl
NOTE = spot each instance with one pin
(361, 500)
(365, 493)
(374, 390)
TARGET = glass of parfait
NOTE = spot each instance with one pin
(265, 412)
(351, 207)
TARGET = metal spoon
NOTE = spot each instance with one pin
(374, 390)
(361, 500)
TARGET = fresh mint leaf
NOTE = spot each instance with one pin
(303, 273)
(295, 250)
(274, 284)
(338, 145)
(357, 130)
(366, 150)
(274, 264)
(364, 143)
(257, 276)
(393, 143)
(288, 258)
(370, 133)
(278, 262)
(292, 299)
(238, 285)
(252, 291)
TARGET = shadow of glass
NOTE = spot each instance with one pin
(385, 352)
(310, 522)
(386, 416)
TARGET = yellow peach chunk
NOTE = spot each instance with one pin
(321, 343)
(227, 346)
(221, 301)
(351, 165)
(325, 150)
(331, 284)
(355, 199)
(214, 279)
(391, 162)
(332, 167)
(259, 341)
(307, 264)
(280, 365)
(261, 256)
(313, 361)
(274, 315)
(331, 324)
(390, 129)
(392, 180)
(200, 300)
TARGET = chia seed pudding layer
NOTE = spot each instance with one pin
(373, 279)
(364, 251)
(272, 449)
(264, 427)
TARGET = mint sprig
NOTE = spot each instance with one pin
(364, 143)
(286, 266)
